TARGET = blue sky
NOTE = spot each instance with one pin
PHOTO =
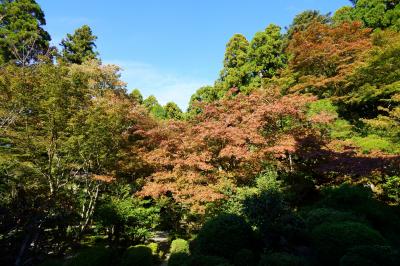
(171, 48)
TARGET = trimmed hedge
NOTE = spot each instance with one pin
(224, 236)
(178, 259)
(319, 216)
(179, 253)
(179, 246)
(333, 240)
(137, 255)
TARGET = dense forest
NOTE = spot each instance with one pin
(290, 158)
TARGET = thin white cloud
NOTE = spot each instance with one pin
(164, 84)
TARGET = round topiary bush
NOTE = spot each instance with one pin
(96, 256)
(281, 259)
(179, 246)
(224, 236)
(178, 259)
(333, 240)
(319, 216)
(371, 255)
(137, 255)
(179, 253)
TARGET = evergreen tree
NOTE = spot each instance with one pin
(136, 96)
(373, 13)
(265, 53)
(172, 111)
(22, 38)
(206, 94)
(153, 107)
(233, 74)
(304, 19)
(79, 47)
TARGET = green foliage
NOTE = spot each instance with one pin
(341, 129)
(137, 255)
(154, 248)
(76, 149)
(179, 259)
(224, 236)
(172, 111)
(374, 142)
(347, 196)
(359, 200)
(376, 14)
(320, 106)
(281, 259)
(319, 216)
(150, 102)
(204, 95)
(333, 240)
(132, 219)
(343, 14)
(154, 108)
(136, 96)
(179, 246)
(233, 74)
(22, 37)
(79, 47)
(97, 256)
(268, 181)
(273, 218)
(392, 188)
(179, 253)
(371, 255)
(265, 53)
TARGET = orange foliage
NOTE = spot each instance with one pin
(233, 138)
(324, 56)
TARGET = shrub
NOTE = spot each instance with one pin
(179, 246)
(224, 236)
(178, 259)
(370, 255)
(155, 252)
(244, 257)
(97, 256)
(346, 196)
(323, 215)
(333, 240)
(179, 253)
(359, 200)
(281, 259)
(154, 248)
(131, 219)
(272, 216)
(137, 255)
